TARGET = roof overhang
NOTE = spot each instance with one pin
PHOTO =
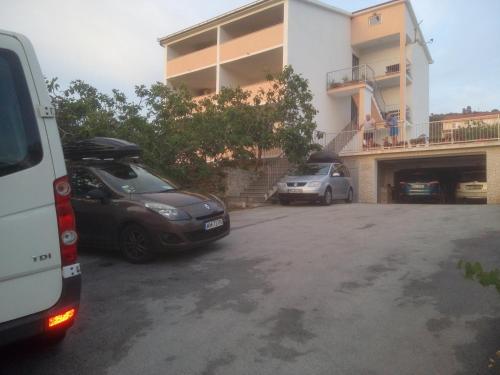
(262, 4)
(212, 22)
(239, 12)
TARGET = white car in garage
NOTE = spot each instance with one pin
(472, 187)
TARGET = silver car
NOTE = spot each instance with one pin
(324, 182)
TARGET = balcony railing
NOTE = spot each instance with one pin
(192, 61)
(406, 136)
(350, 76)
(248, 44)
(388, 67)
(362, 74)
(394, 110)
(365, 73)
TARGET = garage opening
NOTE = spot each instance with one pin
(438, 180)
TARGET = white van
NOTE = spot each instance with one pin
(39, 275)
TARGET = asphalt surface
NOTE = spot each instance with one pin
(346, 289)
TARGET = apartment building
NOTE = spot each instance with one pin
(372, 61)
(353, 61)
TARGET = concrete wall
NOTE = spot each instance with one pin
(418, 90)
(237, 180)
(393, 22)
(391, 95)
(493, 175)
(379, 57)
(319, 41)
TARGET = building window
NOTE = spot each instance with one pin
(375, 19)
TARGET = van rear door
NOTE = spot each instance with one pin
(30, 259)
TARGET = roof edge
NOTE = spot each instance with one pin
(227, 15)
(419, 30)
(329, 7)
(215, 20)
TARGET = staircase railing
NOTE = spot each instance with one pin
(352, 76)
(275, 169)
(335, 142)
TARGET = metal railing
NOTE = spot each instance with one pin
(274, 169)
(353, 76)
(387, 67)
(349, 76)
(395, 110)
(406, 135)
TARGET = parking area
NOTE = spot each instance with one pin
(304, 289)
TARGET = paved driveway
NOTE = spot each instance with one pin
(346, 289)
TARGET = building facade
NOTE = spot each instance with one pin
(373, 61)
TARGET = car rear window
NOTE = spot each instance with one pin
(132, 179)
(20, 146)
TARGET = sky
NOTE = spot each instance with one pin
(113, 43)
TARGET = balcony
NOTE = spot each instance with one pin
(347, 81)
(387, 72)
(250, 44)
(192, 54)
(250, 72)
(259, 32)
(199, 83)
(193, 61)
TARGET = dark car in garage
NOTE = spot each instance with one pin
(421, 187)
(121, 204)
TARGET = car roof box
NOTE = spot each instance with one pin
(324, 157)
(101, 148)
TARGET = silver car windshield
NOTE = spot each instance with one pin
(311, 170)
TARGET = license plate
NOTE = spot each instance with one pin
(417, 186)
(295, 190)
(214, 224)
(474, 187)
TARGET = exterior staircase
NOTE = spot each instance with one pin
(260, 190)
(342, 139)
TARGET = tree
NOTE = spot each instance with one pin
(294, 113)
(190, 140)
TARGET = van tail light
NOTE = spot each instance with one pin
(64, 317)
(65, 221)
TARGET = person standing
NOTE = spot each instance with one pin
(392, 125)
(368, 127)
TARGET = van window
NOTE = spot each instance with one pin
(20, 146)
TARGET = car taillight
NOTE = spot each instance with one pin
(64, 317)
(65, 221)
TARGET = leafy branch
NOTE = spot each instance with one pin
(475, 271)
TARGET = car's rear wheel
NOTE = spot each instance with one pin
(135, 244)
(327, 199)
(350, 196)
